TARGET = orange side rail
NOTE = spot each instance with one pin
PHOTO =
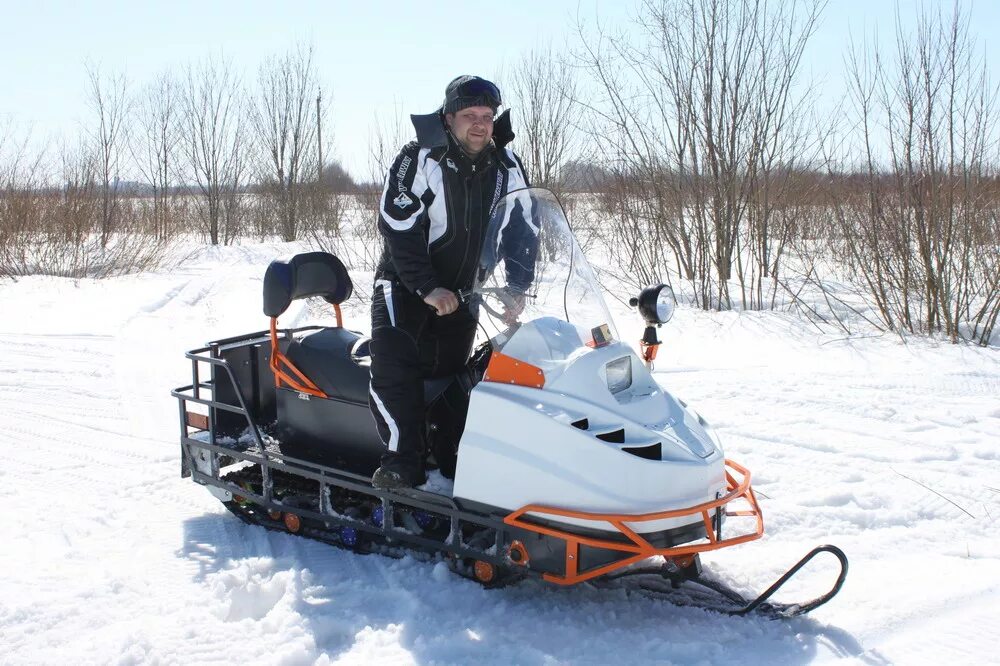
(637, 545)
(299, 382)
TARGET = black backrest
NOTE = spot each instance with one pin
(304, 275)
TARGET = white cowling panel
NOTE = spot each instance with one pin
(520, 448)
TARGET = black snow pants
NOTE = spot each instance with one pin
(410, 343)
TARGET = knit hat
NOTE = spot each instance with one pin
(465, 91)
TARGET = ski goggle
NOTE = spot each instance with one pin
(471, 91)
(476, 88)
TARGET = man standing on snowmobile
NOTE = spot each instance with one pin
(433, 217)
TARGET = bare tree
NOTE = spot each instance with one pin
(235, 201)
(921, 234)
(701, 123)
(110, 105)
(154, 144)
(286, 130)
(212, 140)
(543, 89)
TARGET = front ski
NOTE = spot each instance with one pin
(669, 581)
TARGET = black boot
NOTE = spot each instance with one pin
(390, 479)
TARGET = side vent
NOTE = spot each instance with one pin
(614, 436)
(651, 452)
(582, 424)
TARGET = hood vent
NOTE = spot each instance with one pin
(614, 436)
(651, 452)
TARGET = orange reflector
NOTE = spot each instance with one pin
(518, 554)
(485, 572)
(197, 421)
(292, 523)
(274, 514)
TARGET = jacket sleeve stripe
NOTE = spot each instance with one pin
(402, 196)
(403, 220)
(520, 167)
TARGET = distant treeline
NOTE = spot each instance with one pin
(706, 157)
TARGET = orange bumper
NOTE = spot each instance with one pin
(640, 548)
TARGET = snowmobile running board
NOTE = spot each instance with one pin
(265, 487)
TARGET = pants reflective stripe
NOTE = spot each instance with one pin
(393, 429)
(386, 287)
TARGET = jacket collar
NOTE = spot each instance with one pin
(431, 132)
(456, 159)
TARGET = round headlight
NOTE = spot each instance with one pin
(655, 303)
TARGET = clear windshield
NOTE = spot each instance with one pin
(539, 300)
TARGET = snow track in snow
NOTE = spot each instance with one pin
(887, 450)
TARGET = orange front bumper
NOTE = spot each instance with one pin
(639, 547)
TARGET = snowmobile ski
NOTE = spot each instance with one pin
(669, 582)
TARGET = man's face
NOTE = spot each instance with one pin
(473, 127)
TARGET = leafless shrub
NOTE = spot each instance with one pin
(327, 210)
(702, 125)
(57, 230)
(19, 194)
(921, 232)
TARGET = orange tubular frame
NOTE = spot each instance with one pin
(299, 382)
(639, 547)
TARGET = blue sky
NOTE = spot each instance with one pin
(373, 58)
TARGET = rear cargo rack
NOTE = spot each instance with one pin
(210, 358)
(205, 456)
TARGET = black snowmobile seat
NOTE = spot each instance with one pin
(304, 275)
(338, 361)
(335, 359)
(330, 357)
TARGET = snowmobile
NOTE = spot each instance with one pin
(558, 455)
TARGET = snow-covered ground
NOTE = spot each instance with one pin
(889, 450)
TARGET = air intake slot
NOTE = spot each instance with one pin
(651, 452)
(582, 424)
(614, 436)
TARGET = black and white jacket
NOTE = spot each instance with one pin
(436, 207)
